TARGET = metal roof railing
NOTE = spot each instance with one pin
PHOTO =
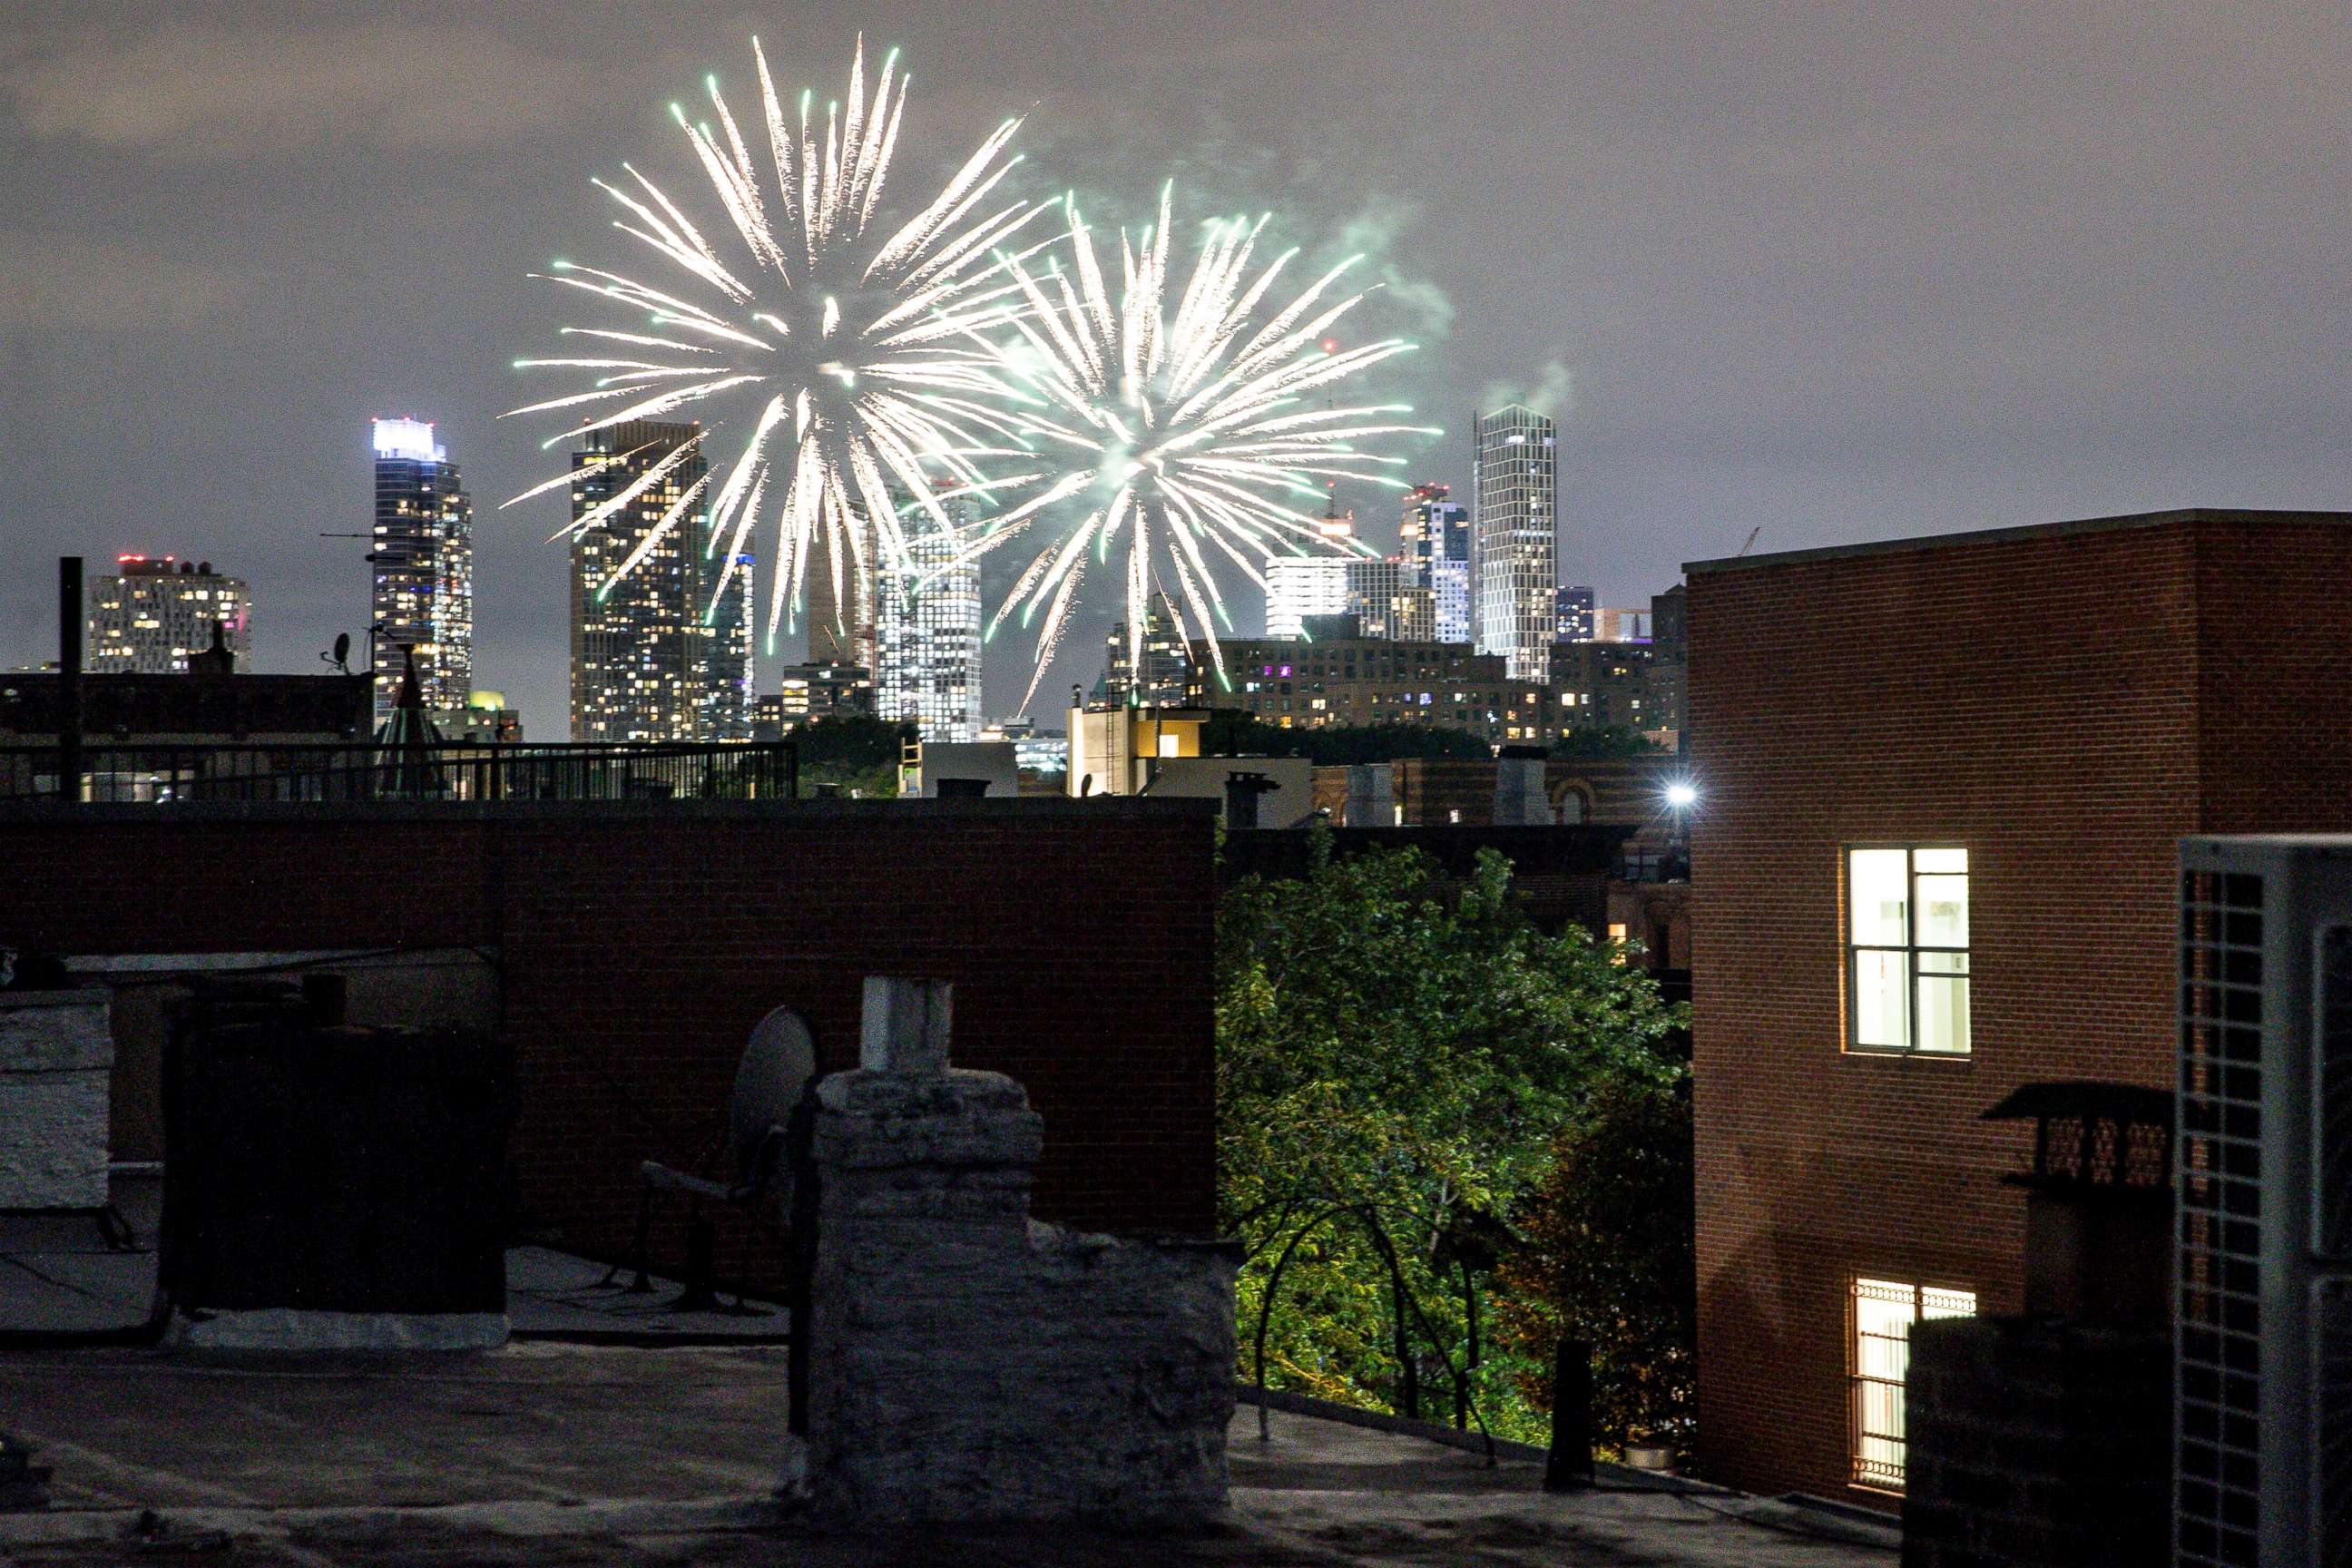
(157, 772)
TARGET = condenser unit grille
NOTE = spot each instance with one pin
(2332, 1211)
(2217, 1438)
(2331, 1320)
(2331, 1295)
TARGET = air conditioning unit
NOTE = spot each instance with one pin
(2262, 1338)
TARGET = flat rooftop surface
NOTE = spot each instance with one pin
(63, 1273)
(560, 1453)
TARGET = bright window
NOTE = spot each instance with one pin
(1882, 1313)
(1908, 948)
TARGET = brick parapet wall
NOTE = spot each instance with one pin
(640, 942)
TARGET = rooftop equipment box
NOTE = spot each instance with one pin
(329, 1186)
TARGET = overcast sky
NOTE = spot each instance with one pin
(1837, 271)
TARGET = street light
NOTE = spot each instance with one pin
(1682, 795)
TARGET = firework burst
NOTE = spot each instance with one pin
(1178, 432)
(845, 345)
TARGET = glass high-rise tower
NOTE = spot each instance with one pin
(424, 559)
(1514, 567)
(927, 647)
(660, 654)
(1434, 539)
(1158, 680)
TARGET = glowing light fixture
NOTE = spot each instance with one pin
(409, 439)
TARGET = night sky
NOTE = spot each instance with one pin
(1840, 271)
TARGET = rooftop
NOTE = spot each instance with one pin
(585, 1449)
(568, 1453)
(2027, 531)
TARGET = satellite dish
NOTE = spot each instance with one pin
(780, 1059)
(340, 657)
(1086, 784)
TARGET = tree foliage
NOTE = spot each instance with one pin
(1604, 742)
(854, 751)
(1400, 1055)
(1232, 732)
(1605, 1255)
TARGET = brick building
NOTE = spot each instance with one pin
(633, 946)
(1327, 682)
(1937, 855)
(1459, 792)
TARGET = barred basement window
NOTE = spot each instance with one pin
(1906, 971)
(1882, 1315)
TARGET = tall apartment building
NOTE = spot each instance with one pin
(1404, 612)
(423, 580)
(149, 614)
(1377, 594)
(1336, 680)
(806, 693)
(1387, 604)
(1621, 622)
(1940, 860)
(1514, 551)
(927, 645)
(1615, 686)
(841, 616)
(1301, 587)
(1576, 613)
(655, 656)
(1434, 538)
(1158, 678)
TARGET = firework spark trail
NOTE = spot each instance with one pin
(848, 347)
(1176, 432)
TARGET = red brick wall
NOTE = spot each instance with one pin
(2038, 698)
(2275, 640)
(1616, 790)
(640, 944)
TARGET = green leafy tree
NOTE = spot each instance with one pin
(1604, 1255)
(1604, 742)
(1397, 1057)
(1232, 732)
(854, 751)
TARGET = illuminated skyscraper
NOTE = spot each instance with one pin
(1300, 587)
(423, 557)
(149, 615)
(654, 657)
(1576, 613)
(841, 626)
(1513, 571)
(1159, 680)
(927, 647)
(1434, 538)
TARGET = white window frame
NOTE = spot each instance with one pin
(1878, 1443)
(1909, 949)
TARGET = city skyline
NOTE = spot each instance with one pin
(1769, 297)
